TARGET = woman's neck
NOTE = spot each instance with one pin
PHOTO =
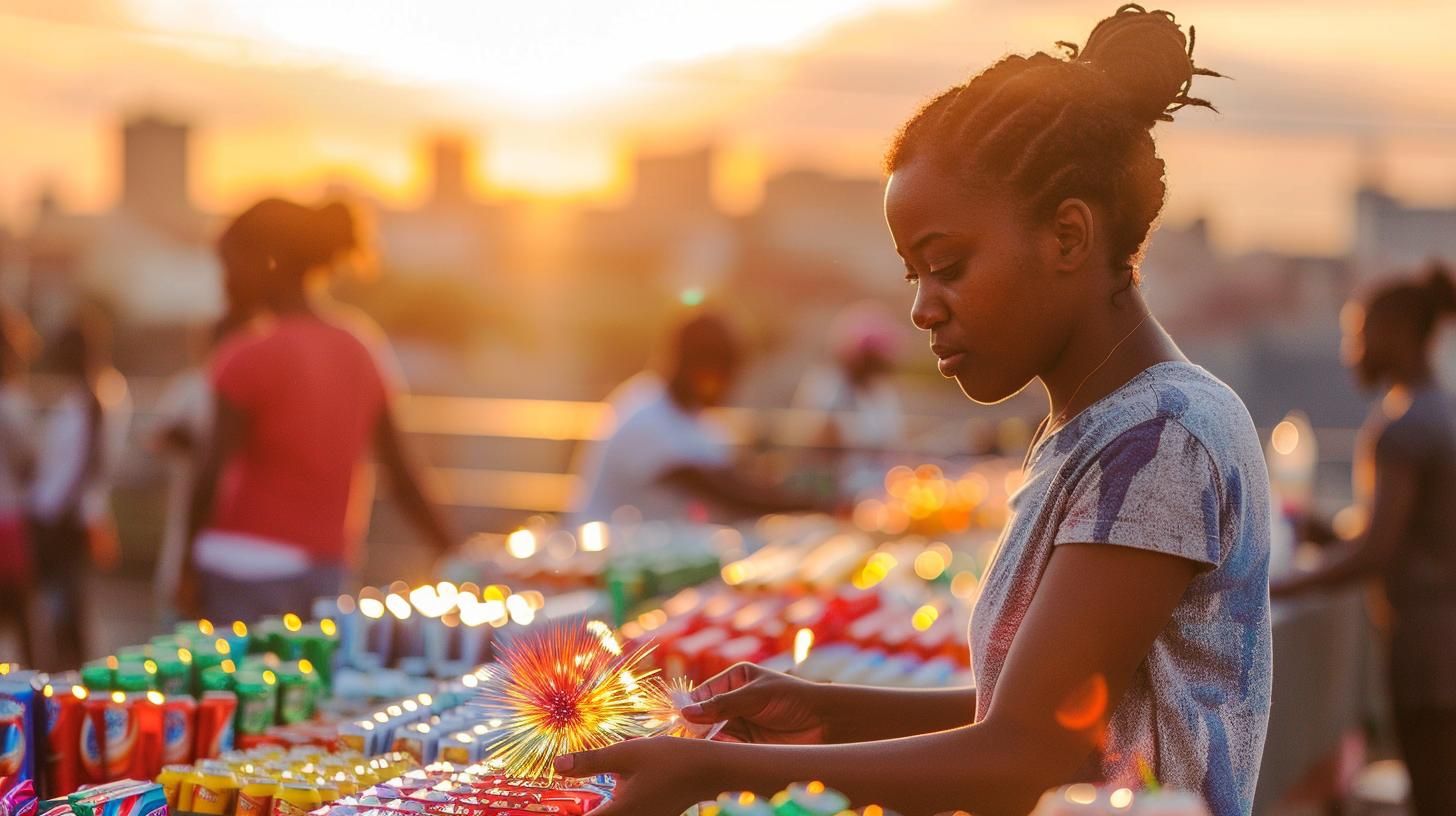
(1102, 355)
(292, 301)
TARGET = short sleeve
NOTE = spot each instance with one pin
(238, 373)
(1154, 487)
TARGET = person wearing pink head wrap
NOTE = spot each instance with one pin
(861, 418)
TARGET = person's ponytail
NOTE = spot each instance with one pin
(1441, 289)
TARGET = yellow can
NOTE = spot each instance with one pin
(216, 793)
(363, 775)
(171, 779)
(186, 789)
(343, 778)
(255, 797)
(328, 789)
(296, 799)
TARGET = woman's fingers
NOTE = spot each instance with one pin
(612, 759)
(739, 674)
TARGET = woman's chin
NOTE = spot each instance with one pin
(985, 392)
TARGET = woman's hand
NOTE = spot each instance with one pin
(658, 776)
(761, 705)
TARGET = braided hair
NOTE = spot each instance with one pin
(1048, 128)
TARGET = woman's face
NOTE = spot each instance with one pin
(987, 284)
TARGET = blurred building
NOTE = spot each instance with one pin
(811, 218)
(1391, 236)
(147, 258)
(155, 162)
(451, 234)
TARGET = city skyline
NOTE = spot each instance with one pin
(1305, 116)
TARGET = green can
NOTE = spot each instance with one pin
(257, 702)
(134, 677)
(133, 654)
(295, 694)
(215, 679)
(98, 675)
(189, 629)
(267, 636)
(173, 676)
(205, 655)
(319, 648)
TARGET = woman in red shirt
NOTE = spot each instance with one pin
(302, 394)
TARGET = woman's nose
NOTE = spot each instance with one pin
(929, 310)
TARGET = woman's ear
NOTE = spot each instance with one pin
(1075, 230)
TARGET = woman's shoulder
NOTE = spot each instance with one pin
(1171, 401)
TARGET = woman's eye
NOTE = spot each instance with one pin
(912, 278)
(949, 272)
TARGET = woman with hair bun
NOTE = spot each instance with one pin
(303, 393)
(1122, 631)
(1405, 479)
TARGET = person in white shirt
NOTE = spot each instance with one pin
(663, 456)
(69, 504)
(17, 461)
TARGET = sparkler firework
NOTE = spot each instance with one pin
(666, 700)
(564, 689)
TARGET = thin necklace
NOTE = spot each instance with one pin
(1055, 424)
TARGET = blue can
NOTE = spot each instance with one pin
(21, 740)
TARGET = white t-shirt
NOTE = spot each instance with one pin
(61, 458)
(15, 447)
(651, 437)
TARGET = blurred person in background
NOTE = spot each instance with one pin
(860, 416)
(182, 428)
(1405, 482)
(302, 395)
(662, 456)
(81, 446)
(17, 464)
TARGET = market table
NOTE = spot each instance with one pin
(1323, 655)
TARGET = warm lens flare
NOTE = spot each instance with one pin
(803, 643)
(1085, 706)
(559, 691)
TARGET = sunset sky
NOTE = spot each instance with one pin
(291, 94)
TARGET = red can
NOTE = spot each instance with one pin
(179, 729)
(144, 760)
(91, 746)
(65, 709)
(214, 724)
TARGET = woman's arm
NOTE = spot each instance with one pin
(1096, 614)
(229, 429)
(406, 477)
(760, 705)
(1396, 484)
(726, 487)
(868, 713)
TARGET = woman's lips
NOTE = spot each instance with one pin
(949, 362)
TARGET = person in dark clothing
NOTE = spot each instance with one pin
(1405, 476)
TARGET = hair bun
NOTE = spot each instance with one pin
(1439, 286)
(1146, 54)
(334, 230)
